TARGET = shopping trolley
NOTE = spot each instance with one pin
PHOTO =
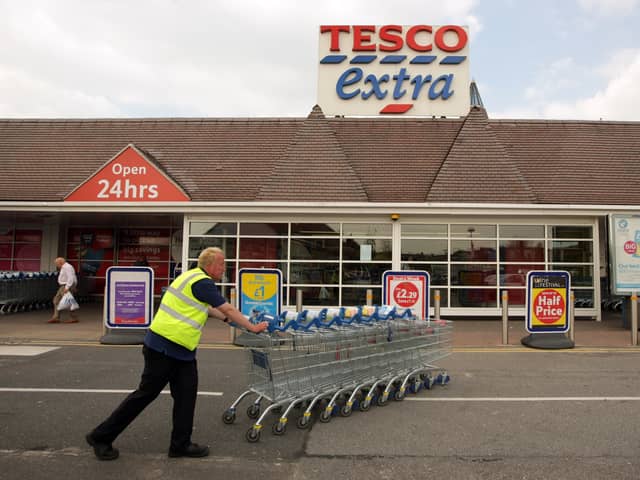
(348, 356)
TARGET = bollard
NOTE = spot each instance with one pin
(505, 317)
(634, 319)
(369, 297)
(572, 317)
(234, 301)
(436, 304)
(298, 300)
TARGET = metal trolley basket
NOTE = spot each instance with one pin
(345, 358)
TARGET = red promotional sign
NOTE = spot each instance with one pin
(128, 177)
(405, 294)
(548, 306)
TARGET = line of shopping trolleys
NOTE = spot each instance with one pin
(336, 360)
(21, 291)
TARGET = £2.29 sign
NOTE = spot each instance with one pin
(128, 177)
(407, 289)
(547, 301)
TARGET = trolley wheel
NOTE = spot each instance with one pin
(346, 411)
(303, 422)
(229, 416)
(252, 435)
(253, 411)
(365, 406)
(381, 400)
(398, 395)
(428, 382)
(443, 378)
(279, 428)
(325, 417)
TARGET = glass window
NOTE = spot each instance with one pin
(315, 248)
(265, 248)
(571, 251)
(473, 250)
(517, 297)
(473, 297)
(409, 230)
(315, 229)
(581, 275)
(421, 250)
(366, 230)
(197, 244)
(366, 249)
(521, 231)
(516, 275)
(212, 228)
(438, 272)
(476, 274)
(358, 296)
(264, 229)
(444, 297)
(306, 273)
(522, 250)
(473, 231)
(573, 231)
(316, 296)
(363, 273)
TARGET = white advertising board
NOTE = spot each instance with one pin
(410, 70)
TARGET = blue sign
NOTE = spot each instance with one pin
(129, 297)
(260, 290)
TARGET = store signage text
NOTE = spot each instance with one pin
(124, 188)
(128, 177)
(393, 69)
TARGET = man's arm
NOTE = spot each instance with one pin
(228, 311)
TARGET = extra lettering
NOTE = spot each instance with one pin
(370, 85)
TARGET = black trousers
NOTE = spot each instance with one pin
(159, 369)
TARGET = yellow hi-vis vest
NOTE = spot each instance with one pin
(181, 316)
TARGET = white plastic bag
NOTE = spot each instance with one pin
(67, 302)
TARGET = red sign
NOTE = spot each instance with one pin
(405, 294)
(128, 177)
(548, 306)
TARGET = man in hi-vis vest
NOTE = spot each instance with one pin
(170, 356)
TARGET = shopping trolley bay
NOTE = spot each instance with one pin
(558, 414)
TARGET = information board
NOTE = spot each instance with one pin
(129, 297)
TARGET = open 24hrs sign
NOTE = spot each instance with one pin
(128, 177)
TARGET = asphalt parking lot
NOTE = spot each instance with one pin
(507, 413)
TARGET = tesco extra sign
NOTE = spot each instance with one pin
(393, 69)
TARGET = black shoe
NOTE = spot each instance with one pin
(192, 450)
(103, 451)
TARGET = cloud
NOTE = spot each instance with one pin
(608, 7)
(178, 57)
(618, 99)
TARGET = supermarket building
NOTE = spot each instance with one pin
(333, 201)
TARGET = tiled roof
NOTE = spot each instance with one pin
(478, 159)
(471, 159)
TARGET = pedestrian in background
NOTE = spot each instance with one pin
(67, 282)
(169, 352)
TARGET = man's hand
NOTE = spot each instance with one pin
(259, 327)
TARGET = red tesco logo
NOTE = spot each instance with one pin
(392, 38)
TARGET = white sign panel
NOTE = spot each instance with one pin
(625, 253)
(367, 70)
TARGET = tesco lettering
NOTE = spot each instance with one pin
(392, 38)
(126, 188)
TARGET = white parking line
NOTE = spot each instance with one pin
(23, 351)
(96, 390)
(523, 399)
